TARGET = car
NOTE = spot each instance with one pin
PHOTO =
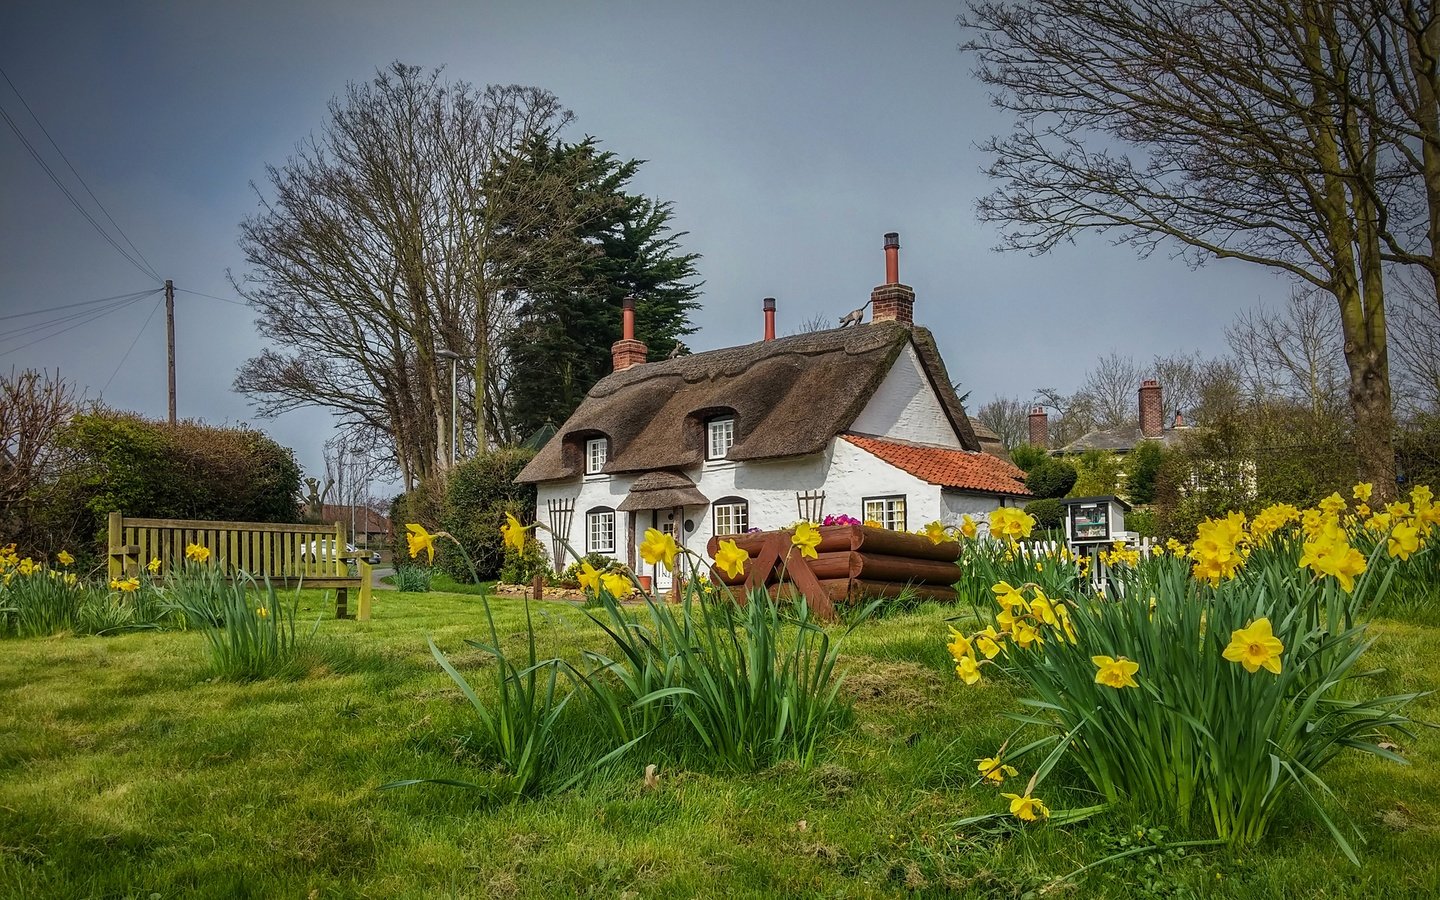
(320, 549)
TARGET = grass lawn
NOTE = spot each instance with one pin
(124, 772)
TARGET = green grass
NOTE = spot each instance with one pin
(125, 770)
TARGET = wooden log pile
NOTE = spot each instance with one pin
(853, 562)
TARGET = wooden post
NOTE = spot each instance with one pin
(170, 340)
(367, 578)
(338, 567)
(115, 538)
(537, 587)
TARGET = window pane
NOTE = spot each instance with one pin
(721, 437)
(600, 532)
(732, 518)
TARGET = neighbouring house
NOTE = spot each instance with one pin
(1122, 440)
(860, 421)
(371, 529)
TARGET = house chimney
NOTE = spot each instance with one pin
(627, 352)
(1179, 420)
(892, 301)
(1039, 427)
(769, 318)
(1152, 410)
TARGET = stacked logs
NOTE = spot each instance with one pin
(853, 562)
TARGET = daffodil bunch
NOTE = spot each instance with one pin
(1011, 523)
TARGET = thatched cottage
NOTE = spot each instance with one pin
(859, 421)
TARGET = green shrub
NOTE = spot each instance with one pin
(521, 568)
(1098, 474)
(1051, 478)
(1049, 513)
(1142, 522)
(1142, 467)
(597, 561)
(1027, 456)
(413, 579)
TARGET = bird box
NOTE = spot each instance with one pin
(1095, 520)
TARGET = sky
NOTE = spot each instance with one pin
(789, 137)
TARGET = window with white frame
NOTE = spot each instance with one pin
(600, 531)
(731, 516)
(596, 452)
(888, 511)
(720, 437)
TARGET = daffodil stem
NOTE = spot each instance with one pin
(1212, 842)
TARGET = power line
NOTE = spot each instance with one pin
(36, 312)
(33, 327)
(35, 154)
(89, 316)
(211, 296)
(45, 131)
(143, 326)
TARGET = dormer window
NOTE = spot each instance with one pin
(596, 453)
(719, 437)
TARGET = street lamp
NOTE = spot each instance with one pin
(454, 395)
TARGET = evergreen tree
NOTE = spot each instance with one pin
(568, 313)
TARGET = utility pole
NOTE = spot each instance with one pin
(170, 340)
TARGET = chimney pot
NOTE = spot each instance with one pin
(769, 318)
(892, 301)
(627, 352)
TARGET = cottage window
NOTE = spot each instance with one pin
(596, 452)
(888, 511)
(720, 437)
(731, 516)
(600, 531)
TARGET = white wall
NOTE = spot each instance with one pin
(844, 472)
(975, 505)
(905, 407)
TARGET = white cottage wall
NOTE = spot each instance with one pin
(959, 504)
(906, 408)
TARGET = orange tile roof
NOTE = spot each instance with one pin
(957, 469)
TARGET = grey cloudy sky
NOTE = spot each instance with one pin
(789, 136)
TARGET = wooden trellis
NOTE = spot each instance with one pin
(562, 512)
(810, 505)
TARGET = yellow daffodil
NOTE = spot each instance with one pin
(589, 578)
(959, 646)
(807, 538)
(128, 585)
(64, 558)
(937, 532)
(1327, 552)
(659, 547)
(1332, 505)
(1255, 646)
(1024, 634)
(987, 642)
(994, 770)
(1363, 511)
(70, 579)
(1041, 609)
(27, 567)
(967, 670)
(1362, 491)
(1027, 808)
(262, 612)
(153, 567)
(1115, 673)
(1063, 614)
(417, 539)
(730, 559)
(197, 553)
(1404, 540)
(616, 584)
(1011, 523)
(968, 527)
(871, 523)
(1008, 597)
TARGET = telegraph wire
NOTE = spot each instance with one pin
(36, 312)
(143, 326)
(211, 296)
(75, 314)
(85, 317)
(45, 131)
(35, 154)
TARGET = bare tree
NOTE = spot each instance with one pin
(1009, 418)
(816, 322)
(1182, 378)
(1291, 354)
(1074, 415)
(380, 246)
(1230, 128)
(1112, 387)
(1417, 350)
(34, 408)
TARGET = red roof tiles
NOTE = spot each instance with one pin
(957, 469)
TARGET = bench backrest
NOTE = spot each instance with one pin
(259, 548)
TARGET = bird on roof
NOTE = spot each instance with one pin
(854, 316)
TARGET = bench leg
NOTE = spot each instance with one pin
(342, 608)
(366, 580)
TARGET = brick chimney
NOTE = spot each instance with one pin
(892, 301)
(628, 352)
(769, 318)
(1039, 427)
(1152, 410)
(1179, 420)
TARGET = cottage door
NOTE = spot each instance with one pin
(663, 577)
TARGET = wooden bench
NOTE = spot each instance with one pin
(312, 556)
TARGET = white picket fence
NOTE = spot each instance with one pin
(1145, 545)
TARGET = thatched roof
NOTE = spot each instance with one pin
(1123, 439)
(789, 397)
(662, 490)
